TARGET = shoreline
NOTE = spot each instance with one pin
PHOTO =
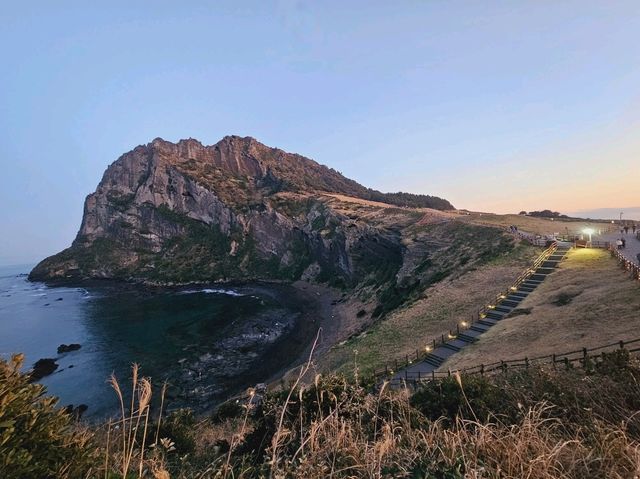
(305, 307)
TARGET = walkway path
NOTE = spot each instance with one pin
(632, 248)
(424, 369)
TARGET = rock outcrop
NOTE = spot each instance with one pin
(236, 210)
(168, 213)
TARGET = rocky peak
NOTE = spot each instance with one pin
(237, 209)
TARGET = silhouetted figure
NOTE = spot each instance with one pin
(619, 243)
(624, 243)
(626, 230)
(633, 228)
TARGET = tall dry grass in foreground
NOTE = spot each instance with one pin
(537, 423)
(129, 437)
(568, 424)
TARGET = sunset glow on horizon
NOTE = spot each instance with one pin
(497, 106)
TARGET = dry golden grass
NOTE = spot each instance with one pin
(605, 307)
(356, 434)
(542, 226)
(377, 204)
(439, 309)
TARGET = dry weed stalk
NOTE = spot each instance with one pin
(280, 431)
(129, 424)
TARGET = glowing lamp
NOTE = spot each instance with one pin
(588, 231)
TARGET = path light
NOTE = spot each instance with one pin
(464, 324)
(588, 231)
(427, 348)
(513, 288)
(502, 296)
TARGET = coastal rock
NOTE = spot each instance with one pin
(65, 348)
(43, 367)
(236, 210)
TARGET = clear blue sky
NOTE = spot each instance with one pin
(495, 105)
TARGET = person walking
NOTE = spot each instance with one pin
(624, 243)
(619, 243)
(633, 228)
(626, 229)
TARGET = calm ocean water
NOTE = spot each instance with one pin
(175, 334)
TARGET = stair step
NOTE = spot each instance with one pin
(487, 321)
(457, 343)
(521, 294)
(503, 309)
(451, 347)
(493, 314)
(467, 339)
(538, 276)
(433, 360)
(512, 299)
(544, 271)
(550, 263)
(480, 327)
(469, 335)
(512, 302)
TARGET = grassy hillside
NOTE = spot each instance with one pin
(434, 311)
(588, 301)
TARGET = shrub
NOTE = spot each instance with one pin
(479, 399)
(37, 439)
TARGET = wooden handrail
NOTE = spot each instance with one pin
(580, 355)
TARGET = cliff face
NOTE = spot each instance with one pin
(239, 210)
(236, 210)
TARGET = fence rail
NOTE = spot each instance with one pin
(626, 264)
(422, 353)
(566, 359)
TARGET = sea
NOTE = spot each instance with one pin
(208, 342)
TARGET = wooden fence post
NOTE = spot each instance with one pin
(621, 344)
(482, 370)
(554, 360)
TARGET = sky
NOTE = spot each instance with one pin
(497, 106)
